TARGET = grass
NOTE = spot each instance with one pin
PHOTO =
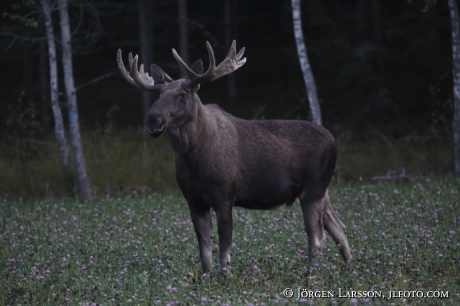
(120, 161)
(141, 249)
(361, 157)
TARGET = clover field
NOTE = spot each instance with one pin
(141, 249)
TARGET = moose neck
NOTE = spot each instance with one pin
(196, 132)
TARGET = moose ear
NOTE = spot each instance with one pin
(158, 75)
(197, 67)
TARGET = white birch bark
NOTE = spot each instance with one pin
(84, 188)
(58, 122)
(305, 64)
(456, 76)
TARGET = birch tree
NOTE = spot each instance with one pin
(456, 77)
(84, 188)
(305, 64)
(58, 121)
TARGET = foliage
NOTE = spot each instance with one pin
(21, 123)
(111, 113)
(442, 111)
(28, 22)
(142, 250)
(22, 116)
(15, 14)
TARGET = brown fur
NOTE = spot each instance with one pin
(223, 161)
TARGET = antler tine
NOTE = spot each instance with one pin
(240, 54)
(123, 70)
(130, 60)
(136, 77)
(191, 74)
(231, 63)
(212, 60)
(230, 55)
(141, 77)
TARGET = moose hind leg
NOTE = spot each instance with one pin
(312, 210)
(201, 219)
(336, 229)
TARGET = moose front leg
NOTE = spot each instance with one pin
(201, 218)
(225, 230)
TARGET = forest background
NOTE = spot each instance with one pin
(383, 71)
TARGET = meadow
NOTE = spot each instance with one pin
(140, 249)
(125, 160)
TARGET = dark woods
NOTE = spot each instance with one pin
(383, 69)
(376, 63)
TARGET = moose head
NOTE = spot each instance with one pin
(178, 99)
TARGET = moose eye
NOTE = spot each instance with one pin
(182, 96)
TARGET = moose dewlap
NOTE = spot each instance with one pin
(223, 161)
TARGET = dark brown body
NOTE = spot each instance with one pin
(260, 164)
(223, 161)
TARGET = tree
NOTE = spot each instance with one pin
(305, 64)
(44, 84)
(183, 34)
(229, 37)
(47, 7)
(74, 128)
(456, 77)
(146, 39)
(54, 92)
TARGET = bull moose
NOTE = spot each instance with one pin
(224, 161)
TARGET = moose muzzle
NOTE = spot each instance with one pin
(156, 125)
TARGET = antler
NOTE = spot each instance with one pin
(123, 70)
(232, 62)
(136, 77)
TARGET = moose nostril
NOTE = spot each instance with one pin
(162, 125)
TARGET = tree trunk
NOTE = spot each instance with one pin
(84, 188)
(27, 72)
(183, 35)
(305, 64)
(58, 122)
(361, 17)
(456, 76)
(378, 33)
(146, 40)
(229, 37)
(44, 88)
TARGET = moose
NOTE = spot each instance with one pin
(223, 161)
